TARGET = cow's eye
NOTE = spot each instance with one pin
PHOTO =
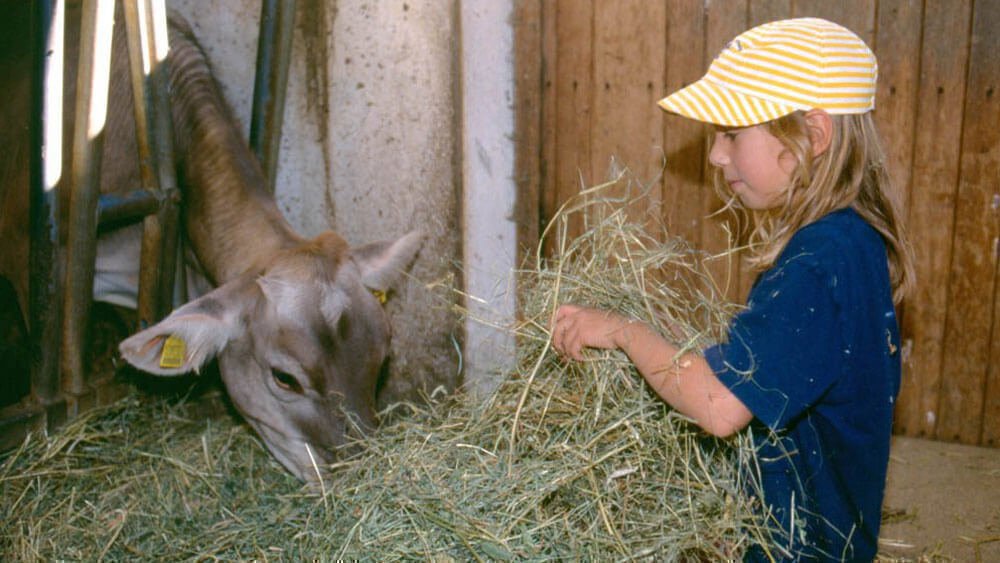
(286, 381)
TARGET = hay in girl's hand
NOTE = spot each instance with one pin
(563, 461)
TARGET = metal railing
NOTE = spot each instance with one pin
(61, 278)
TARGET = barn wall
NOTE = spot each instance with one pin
(590, 73)
(373, 145)
(369, 143)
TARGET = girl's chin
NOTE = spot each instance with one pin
(754, 204)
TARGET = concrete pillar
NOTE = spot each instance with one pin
(489, 231)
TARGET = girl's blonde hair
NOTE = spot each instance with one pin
(850, 173)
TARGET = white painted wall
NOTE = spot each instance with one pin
(384, 153)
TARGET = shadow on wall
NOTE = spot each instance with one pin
(15, 357)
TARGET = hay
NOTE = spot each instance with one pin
(577, 461)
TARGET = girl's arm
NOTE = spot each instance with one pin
(687, 384)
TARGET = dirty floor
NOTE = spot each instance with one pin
(942, 503)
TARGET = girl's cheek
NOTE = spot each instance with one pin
(787, 162)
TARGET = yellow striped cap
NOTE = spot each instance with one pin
(780, 67)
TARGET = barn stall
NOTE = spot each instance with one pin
(586, 83)
(589, 76)
(334, 132)
(591, 71)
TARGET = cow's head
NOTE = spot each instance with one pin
(300, 343)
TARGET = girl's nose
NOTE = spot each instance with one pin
(718, 156)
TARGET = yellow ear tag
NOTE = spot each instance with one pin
(173, 352)
(380, 295)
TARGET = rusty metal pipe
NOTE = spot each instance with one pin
(274, 48)
(146, 27)
(140, 57)
(118, 210)
(163, 133)
(96, 26)
(141, 92)
(45, 274)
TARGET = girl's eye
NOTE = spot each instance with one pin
(286, 381)
(727, 136)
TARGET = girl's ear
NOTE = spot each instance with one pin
(820, 130)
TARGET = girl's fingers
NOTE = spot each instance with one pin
(569, 342)
(562, 336)
(565, 310)
(558, 334)
(574, 349)
(572, 342)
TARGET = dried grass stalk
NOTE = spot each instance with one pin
(564, 461)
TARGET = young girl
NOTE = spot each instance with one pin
(815, 356)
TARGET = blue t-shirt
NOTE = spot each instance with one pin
(815, 357)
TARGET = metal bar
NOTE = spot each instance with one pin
(148, 299)
(274, 48)
(115, 210)
(148, 47)
(44, 280)
(142, 103)
(163, 132)
(96, 26)
(147, 302)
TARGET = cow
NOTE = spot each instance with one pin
(296, 323)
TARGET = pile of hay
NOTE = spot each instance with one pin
(565, 461)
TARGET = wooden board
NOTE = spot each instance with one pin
(683, 139)
(898, 38)
(549, 153)
(626, 130)
(932, 197)
(973, 267)
(573, 89)
(764, 11)
(991, 406)
(605, 64)
(856, 15)
(530, 92)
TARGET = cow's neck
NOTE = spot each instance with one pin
(232, 221)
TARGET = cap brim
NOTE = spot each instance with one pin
(712, 102)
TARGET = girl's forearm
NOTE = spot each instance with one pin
(687, 383)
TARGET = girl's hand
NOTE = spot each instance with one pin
(686, 383)
(576, 328)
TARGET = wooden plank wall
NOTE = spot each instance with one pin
(590, 73)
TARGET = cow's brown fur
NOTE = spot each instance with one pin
(232, 221)
(299, 337)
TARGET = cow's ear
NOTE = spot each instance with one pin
(382, 263)
(191, 336)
